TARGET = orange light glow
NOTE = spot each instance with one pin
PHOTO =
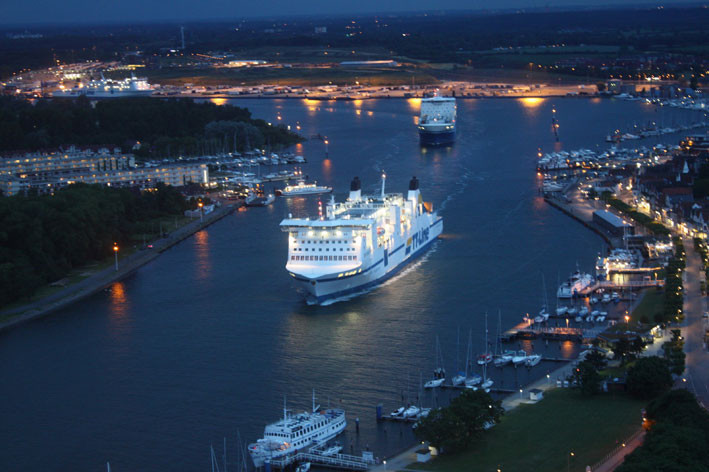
(531, 102)
(218, 101)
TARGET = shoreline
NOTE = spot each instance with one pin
(387, 97)
(106, 277)
(401, 460)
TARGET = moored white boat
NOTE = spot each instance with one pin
(533, 359)
(295, 432)
(519, 358)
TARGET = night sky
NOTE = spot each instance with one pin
(85, 11)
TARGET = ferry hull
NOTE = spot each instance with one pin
(429, 138)
(327, 288)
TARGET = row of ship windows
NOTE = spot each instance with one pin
(323, 258)
(325, 241)
(320, 249)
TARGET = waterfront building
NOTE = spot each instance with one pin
(47, 172)
(612, 223)
(101, 159)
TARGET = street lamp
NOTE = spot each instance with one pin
(568, 461)
(115, 254)
(201, 211)
(326, 149)
(627, 319)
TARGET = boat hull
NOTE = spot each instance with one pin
(327, 288)
(432, 138)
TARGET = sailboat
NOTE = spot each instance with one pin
(543, 313)
(439, 373)
(459, 378)
(474, 379)
(504, 357)
(487, 383)
(486, 357)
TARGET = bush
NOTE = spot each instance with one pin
(649, 377)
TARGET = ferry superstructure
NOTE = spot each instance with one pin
(106, 88)
(359, 243)
(437, 121)
(297, 433)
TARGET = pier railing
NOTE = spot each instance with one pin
(338, 461)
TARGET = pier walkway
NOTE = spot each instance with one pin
(336, 461)
(630, 284)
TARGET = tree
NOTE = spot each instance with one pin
(627, 348)
(587, 378)
(601, 86)
(457, 426)
(674, 352)
(597, 359)
(677, 438)
(649, 377)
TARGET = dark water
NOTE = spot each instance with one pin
(208, 338)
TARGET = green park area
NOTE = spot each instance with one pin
(542, 436)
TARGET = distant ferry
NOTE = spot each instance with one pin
(107, 88)
(359, 243)
(297, 433)
(437, 121)
(302, 188)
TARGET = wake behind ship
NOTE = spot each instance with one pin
(359, 243)
(437, 121)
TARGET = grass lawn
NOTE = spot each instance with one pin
(651, 304)
(539, 437)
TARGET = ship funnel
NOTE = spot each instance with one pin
(414, 193)
(414, 183)
(355, 190)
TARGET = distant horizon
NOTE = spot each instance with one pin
(507, 6)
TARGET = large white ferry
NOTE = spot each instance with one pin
(437, 121)
(359, 243)
(297, 433)
(107, 88)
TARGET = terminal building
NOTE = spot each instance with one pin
(46, 173)
(613, 224)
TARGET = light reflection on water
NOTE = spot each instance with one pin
(203, 264)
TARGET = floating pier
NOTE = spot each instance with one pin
(336, 461)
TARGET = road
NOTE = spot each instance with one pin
(693, 328)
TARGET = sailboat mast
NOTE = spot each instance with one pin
(457, 352)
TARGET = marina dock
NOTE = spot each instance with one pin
(316, 457)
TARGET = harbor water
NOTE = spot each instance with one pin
(205, 341)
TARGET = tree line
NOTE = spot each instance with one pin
(43, 237)
(677, 437)
(161, 127)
